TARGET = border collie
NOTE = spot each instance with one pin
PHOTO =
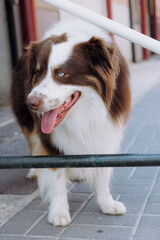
(70, 94)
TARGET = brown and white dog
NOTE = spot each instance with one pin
(70, 94)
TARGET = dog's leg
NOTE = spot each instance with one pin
(36, 148)
(32, 174)
(52, 186)
(100, 183)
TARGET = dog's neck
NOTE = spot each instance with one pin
(88, 130)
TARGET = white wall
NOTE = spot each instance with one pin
(46, 16)
(5, 58)
(98, 6)
(121, 15)
(120, 11)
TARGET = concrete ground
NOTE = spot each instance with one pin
(22, 214)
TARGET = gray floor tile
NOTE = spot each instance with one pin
(78, 197)
(120, 172)
(129, 189)
(44, 229)
(82, 187)
(96, 232)
(20, 222)
(154, 198)
(152, 209)
(37, 205)
(97, 218)
(145, 172)
(131, 182)
(148, 228)
(92, 205)
(75, 206)
(133, 202)
(14, 181)
(14, 237)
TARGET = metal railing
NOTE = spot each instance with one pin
(74, 161)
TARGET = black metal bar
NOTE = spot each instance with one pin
(131, 25)
(74, 161)
(12, 32)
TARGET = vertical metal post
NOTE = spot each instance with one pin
(155, 20)
(29, 21)
(11, 30)
(131, 25)
(144, 25)
(109, 14)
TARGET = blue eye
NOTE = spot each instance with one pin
(60, 74)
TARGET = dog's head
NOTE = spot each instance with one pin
(63, 74)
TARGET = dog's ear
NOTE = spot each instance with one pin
(104, 62)
(33, 49)
(35, 54)
(100, 52)
(39, 52)
(22, 83)
(21, 72)
(111, 67)
(23, 66)
(18, 92)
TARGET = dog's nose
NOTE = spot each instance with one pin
(33, 103)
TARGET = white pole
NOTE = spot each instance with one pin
(107, 24)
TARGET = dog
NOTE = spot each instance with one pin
(70, 94)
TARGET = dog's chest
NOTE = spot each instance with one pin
(89, 141)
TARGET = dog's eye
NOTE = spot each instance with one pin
(60, 74)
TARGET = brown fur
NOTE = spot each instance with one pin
(18, 99)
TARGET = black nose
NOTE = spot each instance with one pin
(33, 103)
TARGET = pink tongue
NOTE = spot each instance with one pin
(49, 120)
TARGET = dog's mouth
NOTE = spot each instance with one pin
(52, 118)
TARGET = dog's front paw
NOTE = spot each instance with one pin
(117, 208)
(111, 207)
(59, 219)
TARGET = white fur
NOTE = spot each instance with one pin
(53, 188)
(78, 31)
(87, 129)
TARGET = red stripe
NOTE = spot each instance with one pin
(109, 13)
(144, 25)
(28, 20)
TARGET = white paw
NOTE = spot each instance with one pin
(112, 207)
(117, 208)
(32, 173)
(59, 219)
